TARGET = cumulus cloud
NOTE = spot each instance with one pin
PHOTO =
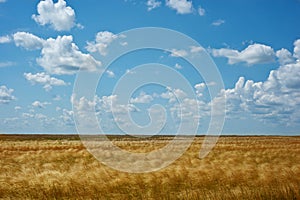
(297, 49)
(200, 87)
(142, 98)
(103, 106)
(274, 100)
(218, 22)
(196, 49)
(181, 6)
(284, 56)
(103, 39)
(67, 117)
(5, 39)
(58, 15)
(44, 79)
(188, 111)
(58, 56)
(173, 95)
(253, 54)
(152, 4)
(6, 95)
(39, 104)
(28, 41)
(62, 56)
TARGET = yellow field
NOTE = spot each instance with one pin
(59, 167)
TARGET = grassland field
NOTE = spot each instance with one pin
(239, 167)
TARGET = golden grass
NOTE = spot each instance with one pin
(59, 167)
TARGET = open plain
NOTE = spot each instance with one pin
(239, 167)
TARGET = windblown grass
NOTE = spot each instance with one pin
(59, 167)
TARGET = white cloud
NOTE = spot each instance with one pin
(297, 49)
(188, 111)
(2, 1)
(5, 39)
(44, 79)
(275, 100)
(124, 43)
(67, 117)
(17, 108)
(253, 54)
(104, 107)
(6, 95)
(177, 66)
(201, 11)
(152, 4)
(178, 53)
(62, 56)
(58, 15)
(196, 49)
(173, 95)
(110, 74)
(130, 71)
(39, 104)
(218, 22)
(103, 39)
(7, 64)
(284, 56)
(181, 6)
(111, 104)
(28, 41)
(200, 87)
(142, 98)
(58, 56)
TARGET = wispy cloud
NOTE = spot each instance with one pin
(218, 22)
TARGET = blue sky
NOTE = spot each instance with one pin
(254, 44)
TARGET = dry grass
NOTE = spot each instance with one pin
(59, 167)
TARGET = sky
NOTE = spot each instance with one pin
(46, 46)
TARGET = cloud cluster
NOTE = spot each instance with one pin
(39, 104)
(103, 107)
(62, 56)
(58, 56)
(181, 6)
(253, 54)
(274, 100)
(44, 79)
(152, 4)
(102, 40)
(58, 15)
(142, 98)
(67, 117)
(6, 95)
